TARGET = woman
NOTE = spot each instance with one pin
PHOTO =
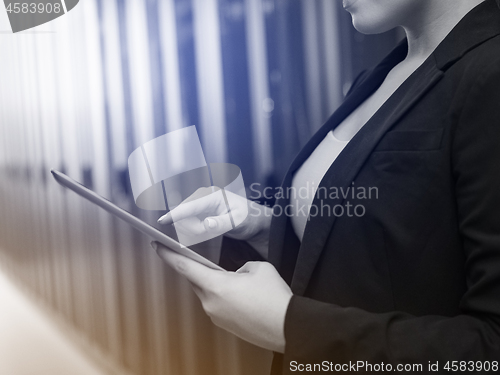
(415, 278)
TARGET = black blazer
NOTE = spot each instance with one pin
(417, 278)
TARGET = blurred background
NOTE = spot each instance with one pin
(79, 94)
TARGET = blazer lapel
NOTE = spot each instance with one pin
(345, 168)
(358, 96)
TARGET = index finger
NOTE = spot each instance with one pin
(197, 203)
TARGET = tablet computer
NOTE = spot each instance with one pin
(126, 216)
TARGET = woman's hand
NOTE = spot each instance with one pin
(250, 303)
(207, 211)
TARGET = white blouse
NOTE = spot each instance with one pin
(307, 179)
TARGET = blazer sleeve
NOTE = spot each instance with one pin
(317, 331)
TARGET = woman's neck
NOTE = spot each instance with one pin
(427, 29)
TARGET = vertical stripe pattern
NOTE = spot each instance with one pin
(79, 94)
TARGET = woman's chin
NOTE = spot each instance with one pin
(365, 27)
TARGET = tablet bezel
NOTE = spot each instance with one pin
(126, 216)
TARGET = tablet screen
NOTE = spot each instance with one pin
(126, 216)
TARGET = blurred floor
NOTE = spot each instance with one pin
(31, 344)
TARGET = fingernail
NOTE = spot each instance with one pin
(154, 245)
(165, 219)
(211, 223)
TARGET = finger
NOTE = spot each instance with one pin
(214, 224)
(251, 267)
(198, 274)
(166, 219)
(201, 201)
(191, 226)
(221, 223)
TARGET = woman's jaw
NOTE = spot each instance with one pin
(378, 16)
